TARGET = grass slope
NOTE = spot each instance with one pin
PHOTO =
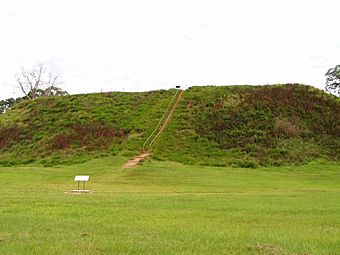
(170, 208)
(242, 126)
(79, 127)
(249, 126)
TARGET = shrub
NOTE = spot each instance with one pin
(285, 128)
(10, 135)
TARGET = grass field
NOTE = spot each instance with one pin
(170, 208)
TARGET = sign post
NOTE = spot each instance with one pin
(83, 179)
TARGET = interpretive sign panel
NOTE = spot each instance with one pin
(81, 178)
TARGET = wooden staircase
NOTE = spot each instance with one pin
(150, 141)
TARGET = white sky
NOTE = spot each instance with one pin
(136, 45)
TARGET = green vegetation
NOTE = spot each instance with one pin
(249, 126)
(333, 80)
(70, 129)
(244, 206)
(7, 104)
(170, 208)
(241, 126)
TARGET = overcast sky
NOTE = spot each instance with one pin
(136, 45)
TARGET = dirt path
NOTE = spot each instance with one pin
(136, 160)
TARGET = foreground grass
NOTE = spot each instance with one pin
(170, 208)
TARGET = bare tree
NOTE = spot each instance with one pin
(38, 82)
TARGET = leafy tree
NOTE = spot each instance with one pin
(51, 91)
(6, 104)
(333, 80)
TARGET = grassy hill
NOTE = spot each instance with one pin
(249, 126)
(166, 207)
(75, 128)
(242, 126)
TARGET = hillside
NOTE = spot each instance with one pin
(75, 128)
(250, 126)
(233, 125)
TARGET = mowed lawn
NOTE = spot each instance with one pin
(170, 208)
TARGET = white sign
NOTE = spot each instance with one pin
(81, 178)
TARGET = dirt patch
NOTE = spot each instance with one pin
(136, 160)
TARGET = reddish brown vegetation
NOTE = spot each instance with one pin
(286, 128)
(265, 116)
(297, 101)
(90, 136)
(10, 135)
